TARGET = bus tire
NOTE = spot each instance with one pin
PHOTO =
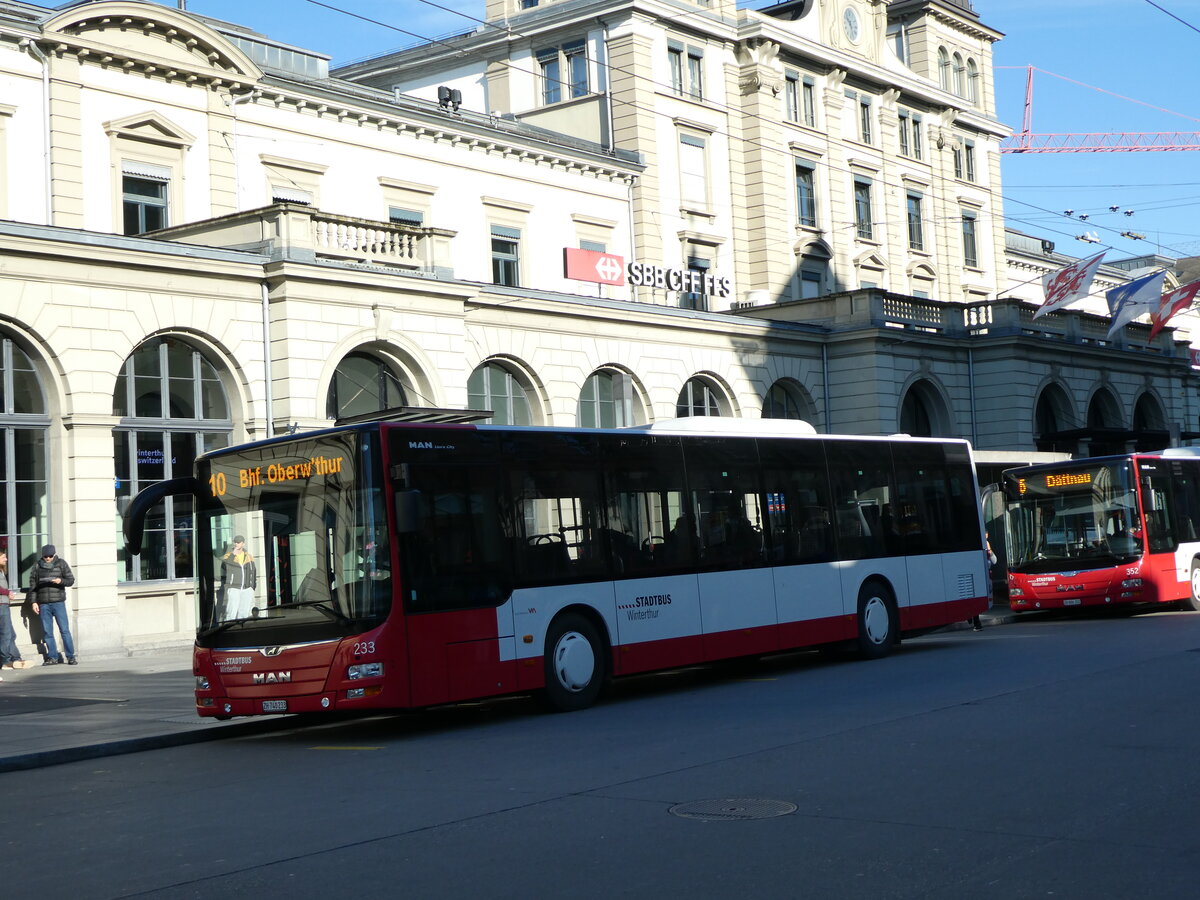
(575, 664)
(1192, 601)
(877, 621)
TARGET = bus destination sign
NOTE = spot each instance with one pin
(278, 473)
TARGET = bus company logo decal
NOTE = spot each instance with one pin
(645, 607)
(272, 677)
(231, 664)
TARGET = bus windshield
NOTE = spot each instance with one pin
(291, 542)
(1078, 518)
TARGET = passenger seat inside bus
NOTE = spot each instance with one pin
(546, 554)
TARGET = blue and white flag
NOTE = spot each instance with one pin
(1134, 298)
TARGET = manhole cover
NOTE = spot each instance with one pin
(724, 810)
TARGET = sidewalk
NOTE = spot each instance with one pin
(59, 714)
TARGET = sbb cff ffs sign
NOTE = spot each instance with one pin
(608, 268)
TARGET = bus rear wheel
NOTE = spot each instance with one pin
(1192, 601)
(575, 663)
(877, 625)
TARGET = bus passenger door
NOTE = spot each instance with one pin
(456, 585)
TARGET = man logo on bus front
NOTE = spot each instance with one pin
(271, 651)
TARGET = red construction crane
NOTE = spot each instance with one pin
(1093, 142)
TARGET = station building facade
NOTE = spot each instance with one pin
(207, 238)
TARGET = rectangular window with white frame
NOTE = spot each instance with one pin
(693, 171)
(696, 299)
(563, 72)
(791, 97)
(145, 190)
(806, 193)
(916, 228)
(969, 160)
(863, 218)
(859, 117)
(687, 70)
(506, 256)
(808, 101)
(969, 240)
(910, 134)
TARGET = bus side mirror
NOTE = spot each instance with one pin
(408, 511)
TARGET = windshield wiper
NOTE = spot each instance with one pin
(321, 605)
(223, 626)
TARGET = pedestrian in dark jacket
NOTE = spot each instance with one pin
(51, 578)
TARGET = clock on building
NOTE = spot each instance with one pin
(850, 24)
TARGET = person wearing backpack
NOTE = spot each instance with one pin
(51, 578)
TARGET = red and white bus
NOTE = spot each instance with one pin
(1105, 531)
(407, 565)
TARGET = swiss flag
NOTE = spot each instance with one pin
(1172, 302)
(592, 265)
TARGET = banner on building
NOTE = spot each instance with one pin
(1172, 302)
(1068, 284)
(1134, 298)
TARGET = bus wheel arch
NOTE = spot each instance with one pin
(577, 662)
(878, 618)
(1192, 600)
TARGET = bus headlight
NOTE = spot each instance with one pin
(202, 682)
(1131, 582)
(365, 670)
(1016, 592)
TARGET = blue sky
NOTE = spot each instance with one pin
(1125, 47)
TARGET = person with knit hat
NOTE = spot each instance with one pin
(51, 578)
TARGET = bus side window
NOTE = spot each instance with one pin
(799, 514)
(722, 474)
(651, 530)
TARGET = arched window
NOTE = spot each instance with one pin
(698, 398)
(1052, 414)
(923, 412)
(1103, 411)
(608, 401)
(944, 68)
(494, 387)
(172, 407)
(960, 76)
(362, 384)
(786, 400)
(972, 81)
(1150, 423)
(25, 501)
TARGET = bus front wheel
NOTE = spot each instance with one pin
(576, 664)
(877, 626)
(1192, 601)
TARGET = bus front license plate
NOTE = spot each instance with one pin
(274, 706)
(1073, 601)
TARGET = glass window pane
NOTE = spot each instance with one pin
(29, 445)
(27, 391)
(150, 459)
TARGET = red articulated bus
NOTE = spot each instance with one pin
(391, 565)
(1105, 531)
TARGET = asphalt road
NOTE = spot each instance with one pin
(1048, 758)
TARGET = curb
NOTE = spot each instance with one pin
(43, 758)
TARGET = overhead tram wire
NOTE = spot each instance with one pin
(1173, 16)
(728, 110)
